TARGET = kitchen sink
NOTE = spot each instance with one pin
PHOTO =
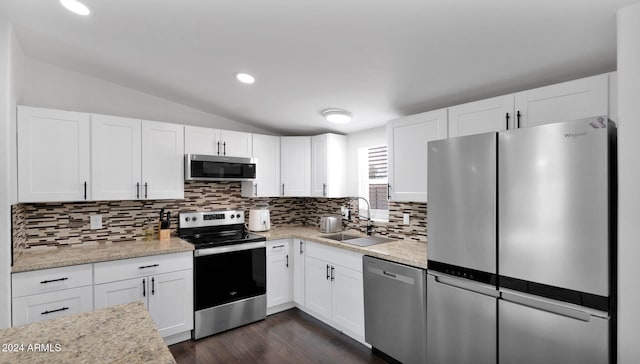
(358, 240)
(341, 237)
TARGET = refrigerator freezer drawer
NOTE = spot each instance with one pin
(461, 323)
(529, 334)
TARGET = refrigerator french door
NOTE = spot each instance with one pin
(461, 282)
(554, 242)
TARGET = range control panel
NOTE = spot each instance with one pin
(211, 218)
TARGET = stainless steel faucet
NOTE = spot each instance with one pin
(369, 224)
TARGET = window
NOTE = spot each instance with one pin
(373, 182)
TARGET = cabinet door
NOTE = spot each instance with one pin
(121, 292)
(298, 253)
(578, 99)
(53, 155)
(236, 144)
(162, 160)
(199, 140)
(482, 116)
(347, 299)
(278, 272)
(318, 287)
(115, 158)
(266, 150)
(40, 307)
(407, 148)
(171, 301)
(319, 166)
(295, 154)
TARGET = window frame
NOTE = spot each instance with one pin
(364, 181)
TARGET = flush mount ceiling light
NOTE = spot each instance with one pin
(337, 116)
(245, 78)
(76, 7)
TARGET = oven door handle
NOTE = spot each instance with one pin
(229, 248)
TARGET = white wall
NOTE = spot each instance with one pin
(628, 184)
(10, 79)
(355, 141)
(51, 86)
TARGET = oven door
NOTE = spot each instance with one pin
(229, 273)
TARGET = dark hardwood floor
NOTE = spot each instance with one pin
(291, 336)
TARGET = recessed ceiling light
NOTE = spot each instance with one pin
(245, 78)
(76, 7)
(337, 116)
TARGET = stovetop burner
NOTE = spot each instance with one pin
(215, 228)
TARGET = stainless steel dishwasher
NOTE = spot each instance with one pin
(395, 309)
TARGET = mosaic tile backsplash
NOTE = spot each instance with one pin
(54, 224)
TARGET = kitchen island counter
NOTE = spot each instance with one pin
(120, 334)
(52, 257)
(409, 252)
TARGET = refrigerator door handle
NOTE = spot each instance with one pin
(466, 284)
(547, 306)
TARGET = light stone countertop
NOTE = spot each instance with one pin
(119, 334)
(51, 257)
(409, 252)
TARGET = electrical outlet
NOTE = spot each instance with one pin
(96, 222)
(405, 218)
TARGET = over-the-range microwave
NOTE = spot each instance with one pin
(199, 167)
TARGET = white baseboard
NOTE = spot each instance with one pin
(178, 338)
(280, 308)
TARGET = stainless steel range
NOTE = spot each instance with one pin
(229, 267)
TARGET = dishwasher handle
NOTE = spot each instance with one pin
(389, 275)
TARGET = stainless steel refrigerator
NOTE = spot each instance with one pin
(521, 236)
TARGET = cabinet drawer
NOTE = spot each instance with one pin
(118, 270)
(49, 280)
(50, 305)
(278, 247)
(337, 256)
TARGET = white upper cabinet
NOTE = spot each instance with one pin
(407, 148)
(328, 165)
(266, 151)
(494, 114)
(295, 166)
(209, 141)
(116, 146)
(236, 144)
(199, 140)
(162, 160)
(53, 155)
(565, 101)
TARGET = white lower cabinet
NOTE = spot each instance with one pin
(120, 292)
(49, 293)
(279, 272)
(171, 302)
(347, 299)
(318, 292)
(44, 306)
(164, 283)
(333, 288)
(298, 253)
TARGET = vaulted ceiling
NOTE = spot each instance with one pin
(379, 59)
